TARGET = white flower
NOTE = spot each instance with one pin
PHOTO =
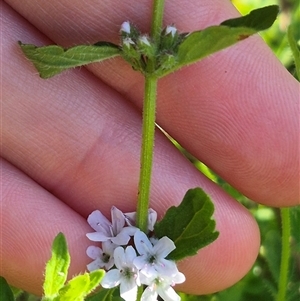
(127, 42)
(161, 286)
(106, 230)
(171, 30)
(125, 27)
(126, 274)
(144, 40)
(130, 218)
(102, 257)
(151, 261)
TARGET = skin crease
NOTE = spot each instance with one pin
(71, 144)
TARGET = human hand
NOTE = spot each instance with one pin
(71, 144)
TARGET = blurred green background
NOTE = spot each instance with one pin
(260, 284)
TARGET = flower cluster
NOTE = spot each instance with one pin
(143, 54)
(131, 258)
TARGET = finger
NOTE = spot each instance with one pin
(87, 155)
(237, 111)
(30, 219)
(38, 217)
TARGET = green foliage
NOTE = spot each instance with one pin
(57, 267)
(200, 44)
(261, 283)
(258, 19)
(190, 225)
(276, 36)
(80, 286)
(5, 291)
(56, 274)
(51, 60)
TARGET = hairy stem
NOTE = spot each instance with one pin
(157, 19)
(149, 125)
(285, 254)
(146, 152)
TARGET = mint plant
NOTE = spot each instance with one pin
(138, 253)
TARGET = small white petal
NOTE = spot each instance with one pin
(108, 247)
(164, 247)
(171, 29)
(130, 218)
(178, 278)
(95, 265)
(127, 42)
(119, 257)
(144, 40)
(166, 268)
(93, 252)
(168, 293)
(152, 217)
(111, 279)
(125, 27)
(128, 290)
(147, 280)
(149, 294)
(124, 236)
(142, 243)
(130, 255)
(99, 222)
(118, 220)
(140, 262)
(97, 236)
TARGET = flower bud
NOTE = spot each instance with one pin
(169, 39)
(125, 27)
(171, 30)
(146, 47)
(128, 42)
(128, 30)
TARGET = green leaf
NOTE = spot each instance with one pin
(5, 291)
(190, 225)
(95, 279)
(200, 44)
(53, 59)
(57, 267)
(258, 19)
(80, 286)
(75, 289)
(295, 48)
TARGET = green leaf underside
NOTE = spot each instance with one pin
(53, 59)
(5, 291)
(200, 44)
(295, 49)
(190, 225)
(57, 267)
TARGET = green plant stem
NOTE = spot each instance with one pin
(147, 151)
(157, 20)
(285, 254)
(149, 125)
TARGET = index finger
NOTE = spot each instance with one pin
(237, 111)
